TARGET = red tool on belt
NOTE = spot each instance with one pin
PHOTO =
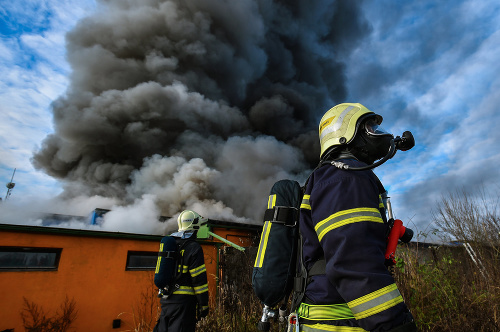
(397, 232)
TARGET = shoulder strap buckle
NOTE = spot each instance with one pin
(285, 215)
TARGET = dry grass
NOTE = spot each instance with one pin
(447, 292)
(145, 311)
(447, 288)
(442, 286)
(237, 309)
(457, 287)
(35, 319)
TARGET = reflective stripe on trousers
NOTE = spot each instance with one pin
(329, 328)
(324, 312)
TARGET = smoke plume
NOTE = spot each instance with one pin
(199, 104)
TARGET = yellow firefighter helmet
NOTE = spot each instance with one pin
(340, 123)
(190, 221)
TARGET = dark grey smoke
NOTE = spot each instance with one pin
(199, 103)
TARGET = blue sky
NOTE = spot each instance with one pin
(428, 67)
(34, 73)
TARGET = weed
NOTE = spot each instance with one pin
(36, 320)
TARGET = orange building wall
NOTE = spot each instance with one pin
(92, 272)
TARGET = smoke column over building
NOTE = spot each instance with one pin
(198, 104)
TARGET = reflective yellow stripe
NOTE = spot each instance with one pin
(201, 289)
(380, 202)
(329, 328)
(325, 312)
(271, 202)
(197, 271)
(376, 302)
(346, 217)
(259, 260)
(159, 259)
(185, 269)
(305, 202)
(185, 290)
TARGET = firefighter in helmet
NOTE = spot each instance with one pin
(188, 301)
(344, 229)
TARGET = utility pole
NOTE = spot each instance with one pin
(10, 185)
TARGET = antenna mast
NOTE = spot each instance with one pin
(10, 185)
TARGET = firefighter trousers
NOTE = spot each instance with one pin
(177, 317)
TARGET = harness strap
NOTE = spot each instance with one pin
(168, 254)
(286, 215)
(319, 267)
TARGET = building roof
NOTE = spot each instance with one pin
(77, 232)
(51, 228)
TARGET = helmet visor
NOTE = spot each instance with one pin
(373, 128)
(183, 234)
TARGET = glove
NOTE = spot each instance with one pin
(202, 312)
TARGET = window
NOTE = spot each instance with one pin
(29, 259)
(141, 260)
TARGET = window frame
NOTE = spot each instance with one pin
(131, 253)
(40, 250)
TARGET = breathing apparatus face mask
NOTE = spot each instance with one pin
(374, 129)
(373, 145)
(372, 142)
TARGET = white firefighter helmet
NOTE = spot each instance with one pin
(340, 123)
(190, 221)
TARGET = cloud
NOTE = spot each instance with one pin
(445, 92)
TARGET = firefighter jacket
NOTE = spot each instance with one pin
(343, 220)
(193, 278)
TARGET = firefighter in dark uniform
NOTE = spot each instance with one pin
(189, 299)
(343, 223)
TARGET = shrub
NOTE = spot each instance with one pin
(36, 320)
